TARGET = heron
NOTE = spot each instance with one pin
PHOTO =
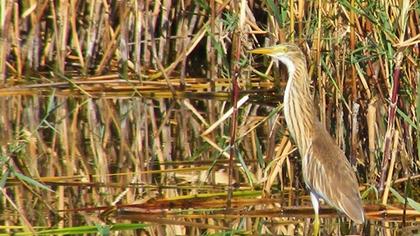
(327, 173)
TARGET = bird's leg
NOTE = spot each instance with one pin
(315, 205)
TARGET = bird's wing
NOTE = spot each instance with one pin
(330, 175)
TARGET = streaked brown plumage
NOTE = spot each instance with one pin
(326, 171)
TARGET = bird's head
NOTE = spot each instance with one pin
(289, 54)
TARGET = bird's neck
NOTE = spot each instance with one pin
(299, 108)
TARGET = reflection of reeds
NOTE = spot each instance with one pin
(88, 92)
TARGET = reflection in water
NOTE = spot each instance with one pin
(146, 160)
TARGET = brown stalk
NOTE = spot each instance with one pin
(138, 32)
(391, 122)
(95, 9)
(123, 38)
(300, 14)
(63, 17)
(74, 36)
(15, 39)
(98, 151)
(109, 51)
(196, 39)
(212, 54)
(157, 144)
(320, 77)
(292, 20)
(353, 76)
(4, 40)
(22, 216)
(165, 24)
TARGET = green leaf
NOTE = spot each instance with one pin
(203, 4)
(126, 226)
(230, 21)
(273, 9)
(31, 181)
(406, 118)
(249, 175)
(413, 204)
(91, 229)
(70, 230)
(103, 230)
(4, 177)
(370, 189)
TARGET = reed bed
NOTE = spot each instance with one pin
(119, 113)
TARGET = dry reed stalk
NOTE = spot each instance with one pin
(224, 116)
(165, 31)
(28, 226)
(340, 87)
(61, 205)
(122, 125)
(391, 168)
(372, 134)
(63, 135)
(96, 141)
(281, 153)
(109, 50)
(123, 38)
(15, 41)
(239, 8)
(74, 36)
(138, 25)
(352, 48)
(391, 123)
(157, 147)
(165, 131)
(6, 15)
(63, 18)
(321, 79)
(95, 8)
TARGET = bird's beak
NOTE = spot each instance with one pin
(264, 51)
